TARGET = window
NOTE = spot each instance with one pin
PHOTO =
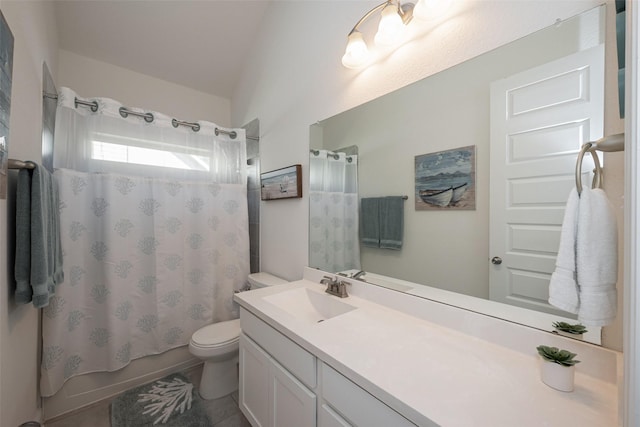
(111, 148)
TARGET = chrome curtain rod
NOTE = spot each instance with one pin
(148, 117)
(335, 156)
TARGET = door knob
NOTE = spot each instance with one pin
(496, 260)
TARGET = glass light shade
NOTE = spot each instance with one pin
(356, 54)
(391, 27)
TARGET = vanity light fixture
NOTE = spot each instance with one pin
(394, 17)
(392, 21)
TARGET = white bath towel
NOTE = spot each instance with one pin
(563, 288)
(596, 259)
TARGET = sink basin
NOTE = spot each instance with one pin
(308, 305)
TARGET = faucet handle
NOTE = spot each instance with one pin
(328, 280)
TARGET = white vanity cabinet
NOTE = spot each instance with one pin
(374, 366)
(270, 394)
(283, 385)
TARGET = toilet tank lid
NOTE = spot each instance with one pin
(217, 333)
(260, 280)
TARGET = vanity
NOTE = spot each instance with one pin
(384, 358)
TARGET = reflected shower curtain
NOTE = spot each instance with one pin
(154, 233)
(333, 207)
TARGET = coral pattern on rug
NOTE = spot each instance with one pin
(168, 397)
(171, 401)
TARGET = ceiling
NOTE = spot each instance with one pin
(199, 44)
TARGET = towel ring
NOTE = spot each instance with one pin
(597, 176)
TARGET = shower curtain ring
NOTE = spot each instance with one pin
(148, 117)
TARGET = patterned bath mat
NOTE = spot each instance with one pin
(169, 402)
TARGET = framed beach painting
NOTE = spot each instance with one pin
(6, 70)
(446, 180)
(282, 183)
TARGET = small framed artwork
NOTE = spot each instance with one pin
(282, 183)
(446, 180)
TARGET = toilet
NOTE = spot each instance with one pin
(217, 345)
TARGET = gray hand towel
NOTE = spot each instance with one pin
(38, 247)
(370, 222)
(23, 238)
(391, 222)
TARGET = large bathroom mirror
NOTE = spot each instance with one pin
(449, 248)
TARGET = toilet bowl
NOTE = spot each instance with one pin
(217, 346)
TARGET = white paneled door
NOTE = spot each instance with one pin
(539, 120)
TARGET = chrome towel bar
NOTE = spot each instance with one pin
(19, 164)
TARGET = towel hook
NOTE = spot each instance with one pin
(597, 176)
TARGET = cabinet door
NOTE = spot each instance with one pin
(293, 403)
(270, 396)
(254, 383)
(329, 418)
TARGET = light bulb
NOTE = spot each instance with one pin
(356, 54)
(391, 27)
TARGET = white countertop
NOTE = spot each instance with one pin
(430, 373)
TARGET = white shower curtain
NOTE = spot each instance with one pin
(333, 207)
(154, 233)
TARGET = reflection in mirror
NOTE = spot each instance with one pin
(524, 162)
(333, 203)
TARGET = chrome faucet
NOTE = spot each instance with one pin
(358, 275)
(335, 287)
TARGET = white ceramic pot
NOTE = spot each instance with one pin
(557, 376)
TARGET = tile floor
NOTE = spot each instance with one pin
(223, 412)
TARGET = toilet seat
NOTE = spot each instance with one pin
(217, 334)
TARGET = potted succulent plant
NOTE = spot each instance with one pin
(569, 330)
(558, 367)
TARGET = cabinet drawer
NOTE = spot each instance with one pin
(298, 361)
(355, 404)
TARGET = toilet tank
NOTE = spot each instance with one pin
(262, 280)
